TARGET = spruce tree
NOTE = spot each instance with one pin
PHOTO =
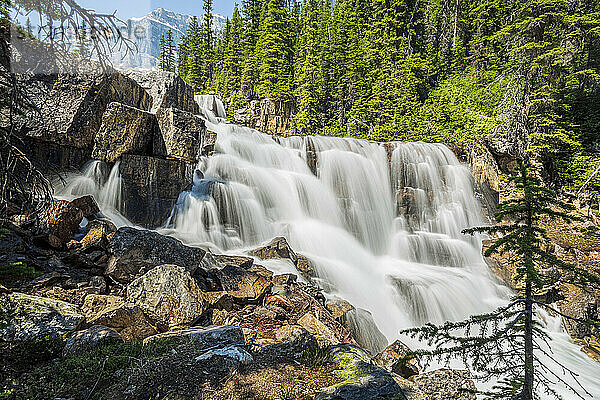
(506, 344)
(82, 47)
(166, 60)
(207, 43)
(251, 12)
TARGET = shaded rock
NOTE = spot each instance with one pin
(364, 380)
(152, 185)
(276, 248)
(578, 304)
(204, 337)
(129, 320)
(59, 222)
(243, 285)
(294, 343)
(26, 317)
(284, 279)
(393, 359)
(168, 295)
(94, 336)
(182, 134)
(87, 205)
(443, 384)
(324, 335)
(208, 144)
(166, 88)
(135, 251)
(125, 130)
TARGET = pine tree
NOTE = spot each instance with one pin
(207, 43)
(251, 11)
(506, 343)
(167, 52)
(28, 26)
(195, 59)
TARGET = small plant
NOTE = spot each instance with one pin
(314, 357)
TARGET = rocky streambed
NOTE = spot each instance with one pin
(100, 312)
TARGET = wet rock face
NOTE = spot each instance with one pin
(182, 134)
(445, 384)
(276, 248)
(136, 251)
(125, 130)
(26, 317)
(152, 186)
(166, 88)
(168, 295)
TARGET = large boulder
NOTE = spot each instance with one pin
(324, 335)
(127, 319)
(363, 379)
(243, 285)
(205, 337)
(443, 384)
(396, 358)
(182, 133)
(152, 185)
(25, 317)
(126, 130)
(166, 88)
(169, 296)
(136, 251)
(59, 222)
(91, 338)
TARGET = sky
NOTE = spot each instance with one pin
(138, 8)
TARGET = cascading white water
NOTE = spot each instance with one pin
(383, 233)
(95, 179)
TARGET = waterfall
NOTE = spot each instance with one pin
(382, 224)
(96, 180)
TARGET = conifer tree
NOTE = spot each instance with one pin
(82, 47)
(207, 43)
(28, 26)
(167, 52)
(273, 51)
(251, 12)
(506, 344)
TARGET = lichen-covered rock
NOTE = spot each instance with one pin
(395, 359)
(276, 248)
(205, 337)
(363, 379)
(87, 205)
(94, 304)
(136, 251)
(125, 130)
(305, 267)
(168, 295)
(243, 285)
(324, 335)
(295, 342)
(96, 237)
(443, 384)
(59, 222)
(91, 338)
(166, 88)
(25, 317)
(182, 133)
(152, 185)
(129, 320)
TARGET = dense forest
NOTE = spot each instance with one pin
(436, 70)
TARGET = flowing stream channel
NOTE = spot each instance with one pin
(382, 225)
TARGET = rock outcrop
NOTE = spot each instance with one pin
(395, 358)
(25, 317)
(93, 337)
(166, 88)
(182, 133)
(269, 116)
(126, 130)
(152, 186)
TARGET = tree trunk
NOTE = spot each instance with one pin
(527, 393)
